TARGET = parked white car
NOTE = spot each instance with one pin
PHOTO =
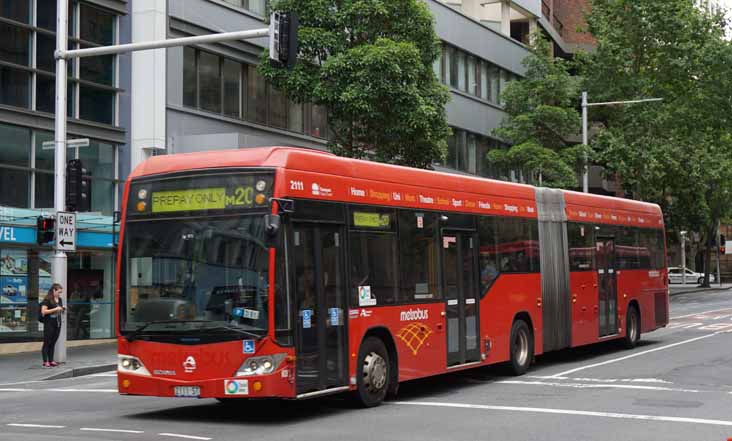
(675, 275)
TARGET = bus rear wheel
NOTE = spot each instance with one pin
(373, 372)
(632, 328)
(521, 347)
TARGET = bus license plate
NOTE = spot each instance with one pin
(187, 391)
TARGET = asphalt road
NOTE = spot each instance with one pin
(677, 385)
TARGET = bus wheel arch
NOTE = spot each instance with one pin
(373, 340)
(521, 343)
(633, 324)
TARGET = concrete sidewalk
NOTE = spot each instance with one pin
(85, 360)
(678, 289)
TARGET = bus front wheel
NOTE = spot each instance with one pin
(521, 347)
(632, 328)
(373, 372)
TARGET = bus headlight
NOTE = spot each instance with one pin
(131, 365)
(265, 364)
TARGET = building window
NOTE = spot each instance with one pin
(92, 81)
(237, 90)
(209, 82)
(14, 166)
(256, 6)
(467, 152)
(472, 75)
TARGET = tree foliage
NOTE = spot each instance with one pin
(542, 116)
(676, 153)
(369, 62)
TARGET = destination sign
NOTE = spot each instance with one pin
(202, 199)
(196, 194)
(371, 220)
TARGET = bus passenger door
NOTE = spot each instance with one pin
(319, 293)
(607, 282)
(461, 296)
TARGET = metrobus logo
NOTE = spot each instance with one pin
(414, 314)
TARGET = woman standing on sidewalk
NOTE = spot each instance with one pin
(51, 309)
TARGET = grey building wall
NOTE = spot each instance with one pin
(186, 126)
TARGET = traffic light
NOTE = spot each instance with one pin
(283, 45)
(78, 186)
(722, 243)
(45, 230)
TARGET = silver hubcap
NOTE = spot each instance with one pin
(374, 372)
(521, 343)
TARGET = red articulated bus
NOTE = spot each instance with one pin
(292, 273)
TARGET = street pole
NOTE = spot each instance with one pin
(62, 55)
(683, 257)
(719, 271)
(586, 166)
(58, 263)
(585, 105)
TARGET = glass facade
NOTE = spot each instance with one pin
(25, 277)
(472, 75)
(27, 63)
(230, 88)
(467, 152)
(28, 168)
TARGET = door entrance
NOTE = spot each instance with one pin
(320, 299)
(461, 296)
(607, 283)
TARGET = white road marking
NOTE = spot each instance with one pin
(95, 429)
(106, 374)
(58, 390)
(700, 313)
(598, 386)
(638, 354)
(603, 380)
(184, 436)
(83, 390)
(39, 426)
(568, 412)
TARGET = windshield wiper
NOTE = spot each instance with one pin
(135, 333)
(232, 328)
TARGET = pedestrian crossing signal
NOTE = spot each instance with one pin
(45, 230)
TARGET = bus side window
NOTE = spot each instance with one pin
(581, 248)
(374, 268)
(418, 256)
(488, 253)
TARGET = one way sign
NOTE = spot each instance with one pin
(65, 231)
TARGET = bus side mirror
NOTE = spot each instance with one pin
(272, 223)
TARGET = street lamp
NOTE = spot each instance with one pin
(585, 105)
(683, 257)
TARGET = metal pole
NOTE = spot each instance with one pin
(58, 263)
(683, 258)
(586, 166)
(160, 44)
(719, 271)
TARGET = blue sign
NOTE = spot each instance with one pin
(333, 316)
(249, 346)
(307, 315)
(90, 239)
(238, 312)
(17, 234)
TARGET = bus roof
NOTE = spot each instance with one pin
(315, 161)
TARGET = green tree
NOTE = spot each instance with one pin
(675, 153)
(369, 63)
(542, 116)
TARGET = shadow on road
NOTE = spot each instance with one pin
(266, 412)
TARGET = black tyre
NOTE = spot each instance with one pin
(700, 281)
(632, 328)
(521, 347)
(373, 372)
